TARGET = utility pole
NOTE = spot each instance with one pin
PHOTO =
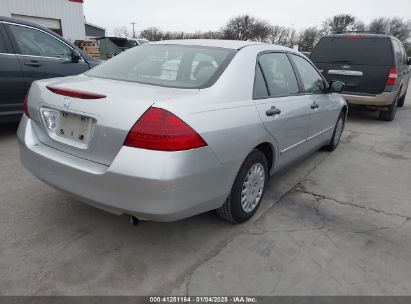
(134, 32)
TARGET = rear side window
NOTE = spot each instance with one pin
(3, 48)
(404, 54)
(278, 74)
(173, 66)
(260, 87)
(350, 50)
(399, 52)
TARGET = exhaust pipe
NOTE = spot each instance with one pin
(134, 221)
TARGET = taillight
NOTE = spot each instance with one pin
(161, 130)
(392, 77)
(75, 93)
(26, 105)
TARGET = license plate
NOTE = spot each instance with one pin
(74, 127)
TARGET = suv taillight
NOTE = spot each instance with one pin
(392, 77)
(161, 130)
(26, 105)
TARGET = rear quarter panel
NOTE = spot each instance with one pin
(225, 114)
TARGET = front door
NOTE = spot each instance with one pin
(324, 111)
(41, 55)
(12, 86)
(282, 109)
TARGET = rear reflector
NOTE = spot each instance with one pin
(76, 94)
(161, 130)
(26, 105)
(392, 77)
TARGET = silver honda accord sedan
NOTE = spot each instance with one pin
(172, 129)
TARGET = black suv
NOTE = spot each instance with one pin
(374, 68)
(30, 52)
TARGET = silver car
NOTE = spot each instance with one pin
(173, 129)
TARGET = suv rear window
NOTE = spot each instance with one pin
(354, 50)
(175, 66)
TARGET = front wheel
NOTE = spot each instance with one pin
(247, 191)
(339, 128)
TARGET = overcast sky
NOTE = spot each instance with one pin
(203, 15)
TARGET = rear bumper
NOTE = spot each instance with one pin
(152, 185)
(381, 100)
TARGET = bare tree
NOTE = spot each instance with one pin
(308, 38)
(400, 28)
(279, 34)
(239, 28)
(121, 32)
(152, 34)
(212, 35)
(246, 28)
(261, 31)
(342, 23)
(397, 27)
(379, 25)
(292, 38)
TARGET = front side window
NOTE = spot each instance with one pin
(278, 74)
(174, 66)
(312, 81)
(36, 43)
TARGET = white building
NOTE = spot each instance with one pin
(65, 17)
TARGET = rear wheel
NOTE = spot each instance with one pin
(248, 189)
(402, 100)
(339, 128)
(389, 115)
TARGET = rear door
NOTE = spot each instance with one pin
(284, 112)
(361, 62)
(12, 86)
(42, 55)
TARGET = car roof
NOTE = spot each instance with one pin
(23, 22)
(360, 34)
(227, 44)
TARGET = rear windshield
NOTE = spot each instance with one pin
(362, 51)
(174, 66)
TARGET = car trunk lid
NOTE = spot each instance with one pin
(93, 129)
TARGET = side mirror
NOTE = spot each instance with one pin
(337, 86)
(409, 61)
(75, 56)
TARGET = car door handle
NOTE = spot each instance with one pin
(315, 106)
(33, 63)
(273, 111)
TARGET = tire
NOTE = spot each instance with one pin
(335, 139)
(255, 169)
(389, 115)
(401, 101)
